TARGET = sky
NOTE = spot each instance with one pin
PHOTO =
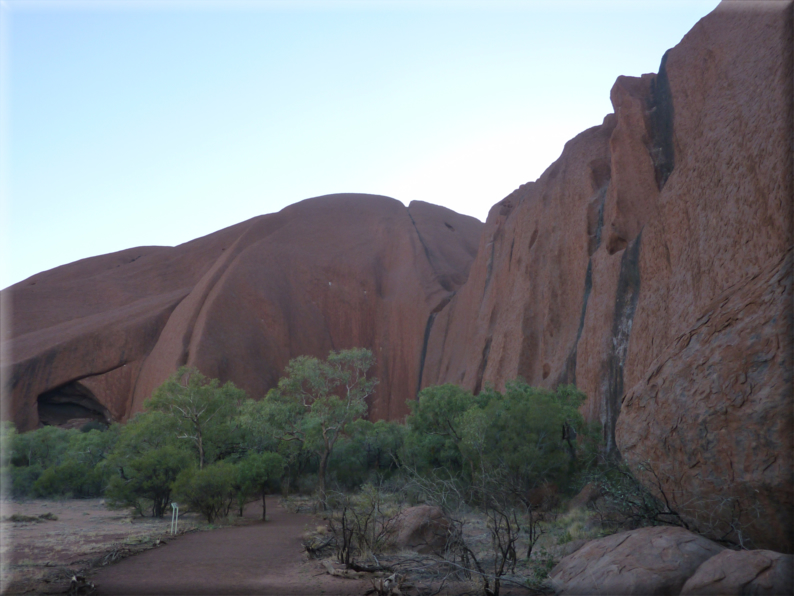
(129, 124)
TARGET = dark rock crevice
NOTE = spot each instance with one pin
(428, 329)
(660, 115)
(483, 364)
(568, 373)
(626, 297)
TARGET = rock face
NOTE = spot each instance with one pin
(652, 262)
(651, 265)
(640, 562)
(758, 572)
(93, 339)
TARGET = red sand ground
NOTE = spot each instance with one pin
(260, 558)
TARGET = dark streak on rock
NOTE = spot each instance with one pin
(483, 364)
(628, 292)
(660, 110)
(428, 328)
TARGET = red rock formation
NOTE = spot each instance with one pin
(94, 338)
(645, 561)
(647, 263)
(595, 271)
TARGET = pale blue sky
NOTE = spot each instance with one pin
(131, 123)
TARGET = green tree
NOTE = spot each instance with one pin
(317, 400)
(209, 491)
(148, 478)
(257, 472)
(435, 426)
(202, 409)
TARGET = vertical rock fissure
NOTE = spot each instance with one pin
(483, 364)
(660, 111)
(626, 297)
(568, 374)
(428, 328)
(421, 240)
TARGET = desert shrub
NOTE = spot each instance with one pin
(627, 502)
(363, 524)
(23, 478)
(146, 480)
(210, 490)
(70, 479)
(45, 446)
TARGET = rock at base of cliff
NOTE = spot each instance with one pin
(643, 562)
(761, 572)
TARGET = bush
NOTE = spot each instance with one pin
(23, 478)
(209, 491)
(70, 479)
(147, 479)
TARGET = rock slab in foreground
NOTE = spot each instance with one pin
(759, 572)
(643, 562)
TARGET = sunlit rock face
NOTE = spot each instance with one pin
(93, 339)
(650, 265)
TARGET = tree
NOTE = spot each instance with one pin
(434, 428)
(317, 400)
(255, 473)
(148, 477)
(202, 408)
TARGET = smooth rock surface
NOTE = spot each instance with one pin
(737, 573)
(643, 562)
(595, 272)
(324, 274)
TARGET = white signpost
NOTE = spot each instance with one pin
(174, 517)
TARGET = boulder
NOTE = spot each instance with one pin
(643, 562)
(758, 572)
(424, 529)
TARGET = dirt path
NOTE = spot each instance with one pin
(261, 558)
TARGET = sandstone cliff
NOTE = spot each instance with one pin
(652, 261)
(94, 338)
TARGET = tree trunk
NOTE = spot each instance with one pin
(321, 479)
(201, 450)
(264, 505)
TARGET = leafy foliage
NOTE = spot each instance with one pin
(317, 400)
(256, 473)
(147, 479)
(210, 490)
(201, 409)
